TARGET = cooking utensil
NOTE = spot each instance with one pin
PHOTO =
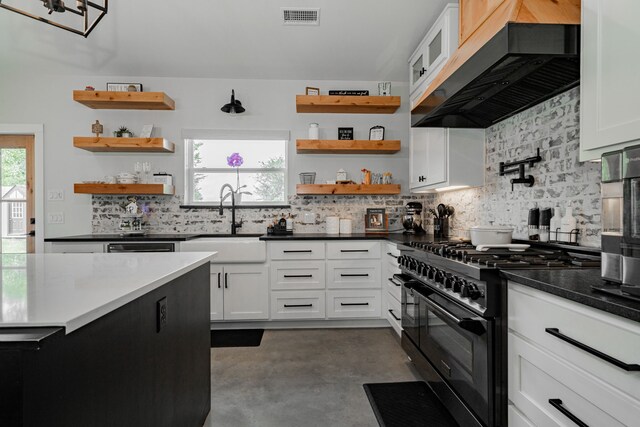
(442, 209)
(433, 212)
(450, 211)
(489, 235)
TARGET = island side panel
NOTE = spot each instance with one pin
(119, 370)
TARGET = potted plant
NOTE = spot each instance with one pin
(123, 132)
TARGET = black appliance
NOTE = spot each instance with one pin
(521, 66)
(412, 219)
(141, 247)
(631, 222)
(454, 320)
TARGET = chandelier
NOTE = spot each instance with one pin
(83, 9)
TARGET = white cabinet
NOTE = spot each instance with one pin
(288, 275)
(551, 370)
(353, 304)
(296, 250)
(442, 158)
(353, 274)
(391, 290)
(74, 247)
(353, 250)
(609, 83)
(297, 305)
(239, 292)
(433, 52)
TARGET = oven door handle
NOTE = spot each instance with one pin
(474, 325)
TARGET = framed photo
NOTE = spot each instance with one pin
(147, 130)
(376, 221)
(345, 134)
(312, 91)
(376, 133)
(124, 87)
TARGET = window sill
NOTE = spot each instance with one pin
(237, 206)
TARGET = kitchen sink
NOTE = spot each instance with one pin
(224, 235)
(236, 248)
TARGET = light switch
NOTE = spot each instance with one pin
(55, 218)
(55, 195)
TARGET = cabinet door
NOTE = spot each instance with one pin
(436, 156)
(217, 292)
(609, 83)
(418, 157)
(246, 292)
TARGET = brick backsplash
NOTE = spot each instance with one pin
(561, 180)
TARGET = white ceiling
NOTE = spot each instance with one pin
(356, 40)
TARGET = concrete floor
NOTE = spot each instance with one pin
(307, 378)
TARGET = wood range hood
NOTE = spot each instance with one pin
(512, 54)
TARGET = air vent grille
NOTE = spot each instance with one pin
(300, 16)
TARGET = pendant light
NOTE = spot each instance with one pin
(233, 107)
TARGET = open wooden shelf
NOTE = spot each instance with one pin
(347, 189)
(107, 100)
(129, 189)
(347, 104)
(331, 146)
(142, 145)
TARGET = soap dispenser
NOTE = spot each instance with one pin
(567, 225)
(555, 224)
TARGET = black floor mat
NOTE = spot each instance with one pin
(236, 338)
(407, 404)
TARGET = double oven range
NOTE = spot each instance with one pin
(454, 320)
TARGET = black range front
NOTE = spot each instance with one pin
(454, 334)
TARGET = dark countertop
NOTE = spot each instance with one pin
(178, 237)
(391, 237)
(575, 285)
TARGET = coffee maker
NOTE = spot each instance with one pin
(612, 216)
(631, 221)
(412, 218)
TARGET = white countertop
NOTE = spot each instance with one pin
(71, 290)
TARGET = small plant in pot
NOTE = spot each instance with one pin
(123, 132)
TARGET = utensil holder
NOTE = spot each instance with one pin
(441, 228)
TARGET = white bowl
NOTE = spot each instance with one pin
(490, 235)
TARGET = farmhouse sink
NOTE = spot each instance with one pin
(236, 248)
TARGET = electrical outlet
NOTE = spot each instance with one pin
(55, 218)
(161, 313)
(55, 195)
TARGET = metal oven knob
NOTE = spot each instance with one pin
(471, 291)
(448, 281)
(439, 276)
(458, 284)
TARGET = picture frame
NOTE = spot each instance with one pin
(124, 87)
(345, 134)
(314, 91)
(376, 133)
(376, 221)
(146, 132)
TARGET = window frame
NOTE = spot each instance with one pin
(188, 136)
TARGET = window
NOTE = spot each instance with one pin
(263, 171)
(17, 210)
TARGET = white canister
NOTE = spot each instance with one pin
(345, 225)
(314, 131)
(333, 225)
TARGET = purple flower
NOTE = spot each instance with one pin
(235, 160)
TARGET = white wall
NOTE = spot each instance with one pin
(270, 104)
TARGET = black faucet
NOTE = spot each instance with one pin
(234, 225)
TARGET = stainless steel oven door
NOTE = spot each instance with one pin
(457, 343)
(410, 310)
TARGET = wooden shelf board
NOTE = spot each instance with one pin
(346, 189)
(108, 144)
(347, 104)
(326, 146)
(107, 100)
(128, 189)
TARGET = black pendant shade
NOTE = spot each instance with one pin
(233, 107)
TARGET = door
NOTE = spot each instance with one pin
(418, 157)
(17, 200)
(246, 292)
(437, 156)
(217, 292)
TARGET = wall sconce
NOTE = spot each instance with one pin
(233, 107)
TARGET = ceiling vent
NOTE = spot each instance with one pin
(301, 16)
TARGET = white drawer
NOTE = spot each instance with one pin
(392, 250)
(536, 377)
(71, 247)
(516, 419)
(393, 313)
(297, 305)
(348, 304)
(297, 275)
(296, 250)
(531, 312)
(394, 291)
(351, 275)
(353, 250)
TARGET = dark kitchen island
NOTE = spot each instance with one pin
(108, 340)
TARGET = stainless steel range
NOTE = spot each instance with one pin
(454, 320)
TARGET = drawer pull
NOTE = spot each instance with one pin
(394, 315)
(354, 250)
(297, 305)
(354, 303)
(620, 364)
(355, 275)
(394, 282)
(219, 274)
(226, 280)
(292, 276)
(299, 251)
(557, 403)
(392, 255)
